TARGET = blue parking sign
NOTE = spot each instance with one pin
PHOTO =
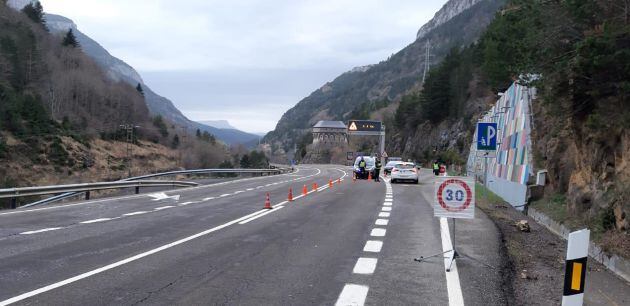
(486, 136)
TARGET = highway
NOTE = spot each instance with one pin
(350, 244)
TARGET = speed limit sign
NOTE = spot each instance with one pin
(454, 197)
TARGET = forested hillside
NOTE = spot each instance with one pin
(61, 116)
(577, 53)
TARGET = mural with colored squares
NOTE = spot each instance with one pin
(512, 114)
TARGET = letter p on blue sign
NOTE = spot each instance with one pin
(486, 136)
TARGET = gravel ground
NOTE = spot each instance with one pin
(536, 262)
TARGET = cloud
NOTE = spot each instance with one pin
(217, 37)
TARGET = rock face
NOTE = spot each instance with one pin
(446, 13)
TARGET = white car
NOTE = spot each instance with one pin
(405, 171)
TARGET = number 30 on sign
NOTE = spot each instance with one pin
(454, 197)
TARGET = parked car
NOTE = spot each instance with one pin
(369, 167)
(405, 171)
(389, 166)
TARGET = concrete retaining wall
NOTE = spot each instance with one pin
(511, 192)
(614, 263)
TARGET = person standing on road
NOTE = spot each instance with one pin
(377, 169)
(362, 166)
(436, 168)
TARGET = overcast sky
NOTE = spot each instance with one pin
(245, 61)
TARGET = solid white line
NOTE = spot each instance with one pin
(41, 231)
(352, 294)
(240, 191)
(185, 203)
(383, 214)
(260, 215)
(381, 222)
(136, 213)
(164, 207)
(96, 220)
(119, 263)
(378, 232)
(249, 189)
(455, 296)
(224, 195)
(373, 246)
(365, 265)
(386, 208)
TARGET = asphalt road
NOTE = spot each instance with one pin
(351, 244)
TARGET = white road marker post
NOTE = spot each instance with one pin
(575, 268)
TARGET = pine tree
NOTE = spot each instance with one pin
(175, 143)
(70, 40)
(198, 133)
(35, 12)
(139, 89)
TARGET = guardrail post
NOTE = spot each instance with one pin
(13, 203)
(137, 189)
(87, 195)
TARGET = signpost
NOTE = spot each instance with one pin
(454, 197)
(575, 268)
(486, 143)
(369, 128)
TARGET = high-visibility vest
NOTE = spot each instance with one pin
(436, 166)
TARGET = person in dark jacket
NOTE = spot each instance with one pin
(377, 169)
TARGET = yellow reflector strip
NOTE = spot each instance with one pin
(576, 278)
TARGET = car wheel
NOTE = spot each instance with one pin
(415, 182)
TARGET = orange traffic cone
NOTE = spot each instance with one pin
(330, 183)
(267, 202)
(290, 197)
(314, 186)
(369, 176)
(304, 190)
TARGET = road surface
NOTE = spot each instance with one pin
(350, 244)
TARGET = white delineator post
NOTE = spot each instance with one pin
(575, 268)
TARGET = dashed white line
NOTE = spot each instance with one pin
(185, 203)
(96, 220)
(365, 265)
(378, 232)
(164, 207)
(373, 246)
(135, 213)
(225, 195)
(208, 198)
(381, 222)
(386, 208)
(384, 214)
(41, 231)
(387, 204)
(249, 189)
(352, 294)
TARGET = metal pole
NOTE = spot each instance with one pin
(382, 145)
(87, 195)
(485, 171)
(13, 203)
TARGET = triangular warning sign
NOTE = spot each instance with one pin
(353, 127)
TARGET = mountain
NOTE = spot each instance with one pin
(219, 124)
(360, 91)
(118, 70)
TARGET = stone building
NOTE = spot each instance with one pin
(329, 134)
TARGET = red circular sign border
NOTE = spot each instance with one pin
(468, 195)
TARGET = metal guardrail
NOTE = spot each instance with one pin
(66, 195)
(14, 193)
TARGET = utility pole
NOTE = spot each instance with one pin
(427, 60)
(129, 136)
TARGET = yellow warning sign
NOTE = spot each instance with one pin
(353, 126)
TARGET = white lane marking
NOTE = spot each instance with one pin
(185, 203)
(136, 213)
(454, 289)
(120, 263)
(41, 231)
(164, 207)
(249, 189)
(260, 215)
(386, 208)
(373, 246)
(365, 265)
(224, 195)
(96, 220)
(387, 203)
(237, 192)
(378, 232)
(381, 222)
(383, 214)
(208, 198)
(352, 294)
(258, 187)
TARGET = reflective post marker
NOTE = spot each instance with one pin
(575, 269)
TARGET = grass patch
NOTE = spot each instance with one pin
(555, 207)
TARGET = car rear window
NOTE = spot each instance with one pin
(405, 166)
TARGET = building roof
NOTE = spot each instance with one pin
(330, 124)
